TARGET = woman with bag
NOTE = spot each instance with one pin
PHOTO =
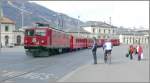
(140, 52)
(131, 51)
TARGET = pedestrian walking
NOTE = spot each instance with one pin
(140, 52)
(94, 49)
(131, 51)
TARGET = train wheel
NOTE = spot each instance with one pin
(39, 53)
(50, 52)
(54, 51)
(28, 52)
(44, 54)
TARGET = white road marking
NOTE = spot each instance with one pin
(40, 76)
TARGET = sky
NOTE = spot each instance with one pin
(128, 14)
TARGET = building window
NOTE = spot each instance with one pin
(142, 40)
(113, 31)
(124, 39)
(6, 28)
(108, 31)
(130, 39)
(93, 30)
(99, 30)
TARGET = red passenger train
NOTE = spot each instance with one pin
(45, 41)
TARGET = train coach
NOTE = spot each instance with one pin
(115, 42)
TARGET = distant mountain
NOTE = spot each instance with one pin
(36, 13)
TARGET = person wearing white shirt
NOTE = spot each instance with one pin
(107, 47)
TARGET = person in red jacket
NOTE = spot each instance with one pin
(131, 51)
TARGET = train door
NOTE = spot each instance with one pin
(71, 42)
(49, 36)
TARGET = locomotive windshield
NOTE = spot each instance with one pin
(42, 25)
(40, 32)
(29, 32)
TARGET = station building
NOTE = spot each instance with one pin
(103, 30)
(9, 34)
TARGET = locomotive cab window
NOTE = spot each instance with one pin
(29, 32)
(40, 32)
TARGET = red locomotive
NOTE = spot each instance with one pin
(45, 40)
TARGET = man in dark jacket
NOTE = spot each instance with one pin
(94, 49)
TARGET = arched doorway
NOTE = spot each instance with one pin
(18, 39)
(6, 40)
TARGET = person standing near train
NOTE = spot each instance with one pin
(94, 49)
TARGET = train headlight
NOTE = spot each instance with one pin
(42, 41)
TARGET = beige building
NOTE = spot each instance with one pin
(9, 34)
(126, 36)
(133, 36)
(101, 30)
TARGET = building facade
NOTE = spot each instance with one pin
(101, 30)
(133, 38)
(9, 35)
(126, 36)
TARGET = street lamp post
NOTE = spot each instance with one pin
(1, 14)
(0, 36)
(59, 21)
(110, 27)
(22, 12)
(78, 26)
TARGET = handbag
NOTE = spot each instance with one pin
(127, 55)
(142, 57)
